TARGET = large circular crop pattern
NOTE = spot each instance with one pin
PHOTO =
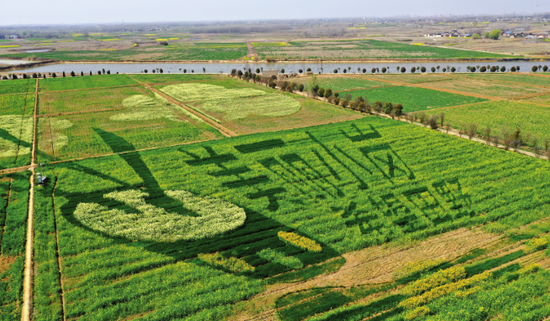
(214, 217)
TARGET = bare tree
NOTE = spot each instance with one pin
(472, 128)
(488, 135)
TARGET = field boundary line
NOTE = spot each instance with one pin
(530, 96)
(6, 214)
(451, 91)
(28, 276)
(224, 131)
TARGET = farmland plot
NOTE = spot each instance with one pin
(19, 86)
(342, 187)
(16, 129)
(56, 84)
(414, 98)
(340, 83)
(246, 108)
(14, 198)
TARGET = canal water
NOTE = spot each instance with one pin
(328, 67)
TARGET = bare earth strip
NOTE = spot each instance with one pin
(27, 283)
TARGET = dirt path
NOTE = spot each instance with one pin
(27, 283)
(224, 131)
(251, 50)
(16, 169)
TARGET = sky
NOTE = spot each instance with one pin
(131, 11)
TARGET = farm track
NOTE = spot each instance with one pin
(224, 131)
(28, 276)
(251, 50)
(451, 91)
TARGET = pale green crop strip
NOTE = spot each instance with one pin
(194, 92)
(155, 224)
(17, 127)
(145, 108)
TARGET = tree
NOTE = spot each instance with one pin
(373, 70)
(493, 69)
(384, 70)
(335, 71)
(308, 70)
(403, 69)
(442, 119)
(54, 75)
(377, 106)
(161, 71)
(423, 69)
(73, 74)
(282, 71)
(345, 71)
(364, 70)
(321, 92)
(336, 101)
(413, 70)
(535, 68)
(495, 34)
(482, 69)
(488, 135)
(486, 35)
(163, 43)
(388, 108)
(64, 75)
(99, 72)
(433, 122)
(398, 110)
(347, 96)
(545, 68)
(476, 36)
(258, 70)
(513, 69)
(433, 69)
(502, 69)
(453, 69)
(43, 76)
(472, 128)
(82, 73)
(301, 87)
(328, 93)
(345, 103)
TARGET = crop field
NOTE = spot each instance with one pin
(414, 98)
(195, 51)
(16, 128)
(502, 117)
(19, 86)
(415, 78)
(14, 199)
(526, 79)
(290, 200)
(86, 82)
(247, 108)
(343, 83)
(364, 49)
(310, 211)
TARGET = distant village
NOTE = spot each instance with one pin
(514, 33)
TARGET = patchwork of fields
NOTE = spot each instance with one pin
(314, 212)
(361, 49)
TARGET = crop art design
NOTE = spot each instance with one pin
(150, 223)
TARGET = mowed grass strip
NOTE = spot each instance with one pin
(84, 82)
(414, 98)
(501, 116)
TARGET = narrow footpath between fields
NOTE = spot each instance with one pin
(27, 282)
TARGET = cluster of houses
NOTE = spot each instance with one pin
(2, 36)
(507, 34)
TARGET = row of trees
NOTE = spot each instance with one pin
(508, 137)
(51, 75)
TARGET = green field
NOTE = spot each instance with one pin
(16, 128)
(196, 51)
(86, 82)
(413, 98)
(14, 200)
(364, 49)
(19, 86)
(313, 212)
(346, 186)
(502, 117)
(340, 83)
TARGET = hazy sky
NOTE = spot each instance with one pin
(113, 11)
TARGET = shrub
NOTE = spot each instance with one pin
(232, 264)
